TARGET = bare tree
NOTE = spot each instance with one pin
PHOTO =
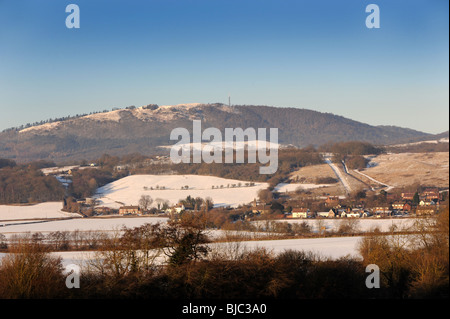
(145, 202)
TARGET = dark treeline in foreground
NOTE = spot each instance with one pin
(130, 266)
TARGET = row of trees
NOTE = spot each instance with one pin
(352, 148)
(352, 153)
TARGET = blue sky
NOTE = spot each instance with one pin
(314, 54)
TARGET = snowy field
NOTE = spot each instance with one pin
(325, 247)
(128, 190)
(362, 224)
(82, 224)
(333, 248)
(12, 226)
(292, 187)
(39, 211)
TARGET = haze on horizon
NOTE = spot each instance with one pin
(315, 55)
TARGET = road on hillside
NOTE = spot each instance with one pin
(339, 174)
(388, 187)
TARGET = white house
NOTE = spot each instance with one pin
(366, 214)
(352, 214)
(300, 213)
(178, 208)
(329, 214)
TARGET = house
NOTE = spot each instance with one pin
(329, 214)
(133, 210)
(300, 213)
(260, 209)
(408, 196)
(341, 211)
(332, 213)
(102, 210)
(323, 214)
(426, 210)
(400, 209)
(354, 213)
(178, 208)
(382, 214)
(433, 202)
(431, 193)
(407, 207)
(381, 211)
(366, 214)
(398, 205)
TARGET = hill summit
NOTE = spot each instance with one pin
(144, 129)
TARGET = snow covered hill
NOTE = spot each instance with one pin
(224, 192)
(38, 211)
(143, 129)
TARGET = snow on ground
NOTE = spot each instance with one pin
(339, 174)
(56, 170)
(116, 223)
(44, 127)
(333, 248)
(38, 211)
(128, 190)
(236, 145)
(442, 140)
(81, 224)
(61, 170)
(185, 106)
(291, 187)
(113, 116)
(362, 224)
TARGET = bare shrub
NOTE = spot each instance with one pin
(29, 271)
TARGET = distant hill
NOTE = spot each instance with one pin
(143, 129)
